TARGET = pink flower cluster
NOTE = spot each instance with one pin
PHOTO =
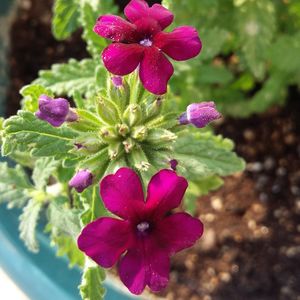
(146, 234)
(141, 42)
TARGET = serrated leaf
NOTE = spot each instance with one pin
(95, 43)
(43, 169)
(65, 18)
(256, 27)
(63, 220)
(13, 185)
(203, 154)
(67, 246)
(28, 222)
(26, 132)
(91, 287)
(31, 94)
(74, 76)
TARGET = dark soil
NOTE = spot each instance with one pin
(251, 246)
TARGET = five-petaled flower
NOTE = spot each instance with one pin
(140, 41)
(200, 114)
(146, 234)
(55, 111)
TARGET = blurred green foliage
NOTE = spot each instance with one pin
(250, 53)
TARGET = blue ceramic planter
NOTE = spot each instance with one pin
(41, 276)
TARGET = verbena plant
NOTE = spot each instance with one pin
(62, 153)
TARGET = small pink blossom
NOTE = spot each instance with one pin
(55, 111)
(81, 180)
(140, 41)
(200, 114)
(146, 235)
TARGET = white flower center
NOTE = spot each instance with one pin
(146, 43)
(142, 227)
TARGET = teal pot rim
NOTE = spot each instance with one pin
(43, 275)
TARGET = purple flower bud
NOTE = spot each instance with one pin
(117, 81)
(200, 114)
(55, 111)
(173, 164)
(78, 146)
(72, 116)
(81, 180)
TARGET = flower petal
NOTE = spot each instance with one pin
(104, 240)
(155, 71)
(179, 231)
(115, 28)
(165, 192)
(122, 59)
(137, 9)
(132, 271)
(145, 265)
(122, 193)
(181, 44)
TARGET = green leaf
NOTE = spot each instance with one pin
(284, 54)
(31, 94)
(28, 223)
(63, 220)
(198, 188)
(95, 43)
(203, 154)
(74, 76)
(65, 18)
(67, 246)
(43, 169)
(14, 184)
(28, 133)
(256, 27)
(213, 39)
(91, 287)
(272, 92)
(93, 205)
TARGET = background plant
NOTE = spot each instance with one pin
(250, 55)
(117, 127)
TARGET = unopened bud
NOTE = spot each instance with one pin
(200, 114)
(133, 114)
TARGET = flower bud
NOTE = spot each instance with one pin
(173, 164)
(122, 129)
(81, 180)
(117, 81)
(200, 114)
(55, 111)
(108, 134)
(133, 114)
(155, 108)
(139, 133)
(107, 111)
(128, 145)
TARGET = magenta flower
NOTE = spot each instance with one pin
(55, 111)
(145, 234)
(200, 114)
(81, 180)
(140, 41)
